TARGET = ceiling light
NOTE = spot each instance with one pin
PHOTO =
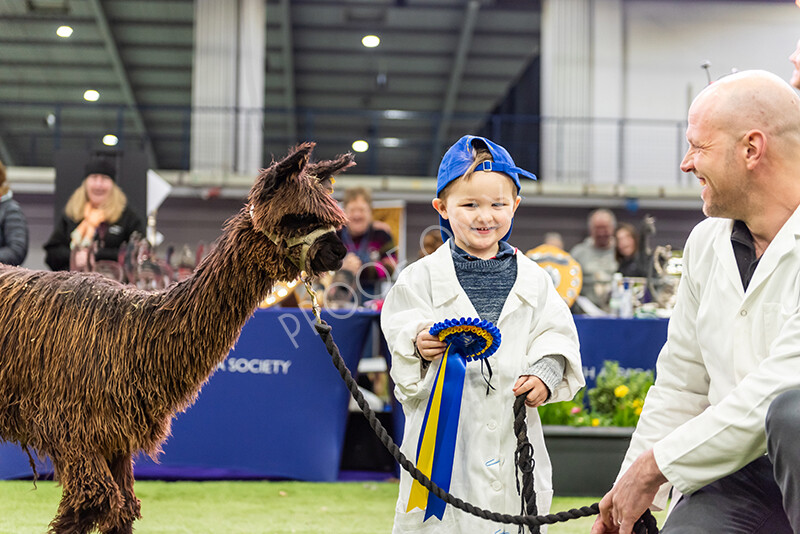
(391, 142)
(64, 31)
(360, 145)
(370, 41)
(91, 95)
(396, 114)
(110, 140)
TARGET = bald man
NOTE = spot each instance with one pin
(734, 336)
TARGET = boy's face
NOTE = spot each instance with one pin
(480, 211)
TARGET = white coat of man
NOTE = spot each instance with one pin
(734, 337)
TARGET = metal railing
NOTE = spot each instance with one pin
(639, 151)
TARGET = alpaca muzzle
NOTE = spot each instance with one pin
(327, 253)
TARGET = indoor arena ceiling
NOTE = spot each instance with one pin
(442, 65)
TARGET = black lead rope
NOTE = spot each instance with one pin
(523, 459)
(645, 525)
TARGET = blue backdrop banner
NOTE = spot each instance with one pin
(634, 343)
(275, 408)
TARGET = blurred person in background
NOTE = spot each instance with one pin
(795, 59)
(431, 240)
(597, 256)
(13, 226)
(96, 215)
(554, 239)
(629, 256)
(370, 250)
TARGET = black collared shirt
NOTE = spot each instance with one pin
(744, 250)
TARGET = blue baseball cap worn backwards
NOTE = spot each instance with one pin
(458, 159)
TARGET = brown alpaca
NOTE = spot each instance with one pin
(91, 371)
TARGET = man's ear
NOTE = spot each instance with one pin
(439, 205)
(755, 144)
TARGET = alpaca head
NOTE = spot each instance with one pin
(291, 203)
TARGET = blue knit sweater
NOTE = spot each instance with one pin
(487, 283)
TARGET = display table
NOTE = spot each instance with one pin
(275, 408)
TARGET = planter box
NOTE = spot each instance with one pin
(585, 460)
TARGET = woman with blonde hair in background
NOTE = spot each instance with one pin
(96, 215)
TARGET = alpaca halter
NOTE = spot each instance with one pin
(305, 241)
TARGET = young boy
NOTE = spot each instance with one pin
(476, 273)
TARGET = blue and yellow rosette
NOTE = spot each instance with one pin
(467, 340)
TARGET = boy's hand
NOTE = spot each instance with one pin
(429, 347)
(537, 391)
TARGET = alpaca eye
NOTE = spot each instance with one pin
(296, 222)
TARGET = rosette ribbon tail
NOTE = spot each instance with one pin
(467, 340)
(437, 441)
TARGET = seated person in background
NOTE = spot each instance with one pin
(554, 239)
(630, 259)
(13, 226)
(370, 250)
(97, 214)
(596, 255)
(431, 240)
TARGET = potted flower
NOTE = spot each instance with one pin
(587, 443)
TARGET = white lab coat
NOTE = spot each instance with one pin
(728, 354)
(535, 322)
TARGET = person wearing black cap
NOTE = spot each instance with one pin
(13, 226)
(477, 273)
(96, 215)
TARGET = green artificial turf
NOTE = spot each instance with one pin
(245, 507)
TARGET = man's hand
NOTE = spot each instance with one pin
(630, 497)
(537, 391)
(429, 347)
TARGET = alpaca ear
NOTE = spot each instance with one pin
(325, 171)
(331, 167)
(284, 170)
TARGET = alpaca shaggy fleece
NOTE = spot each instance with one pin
(92, 372)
